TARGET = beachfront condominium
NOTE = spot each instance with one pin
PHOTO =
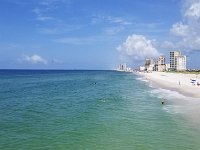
(160, 64)
(173, 55)
(180, 63)
(149, 65)
(122, 67)
(177, 61)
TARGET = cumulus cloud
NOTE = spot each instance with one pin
(193, 10)
(33, 59)
(187, 30)
(179, 29)
(137, 47)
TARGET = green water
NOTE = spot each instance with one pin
(87, 110)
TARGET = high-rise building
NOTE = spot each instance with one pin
(167, 67)
(180, 63)
(149, 65)
(160, 64)
(177, 61)
(173, 55)
(122, 67)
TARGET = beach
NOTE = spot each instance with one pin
(179, 82)
(182, 96)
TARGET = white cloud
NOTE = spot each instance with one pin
(179, 29)
(188, 30)
(137, 47)
(193, 11)
(33, 59)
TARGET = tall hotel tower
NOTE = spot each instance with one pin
(177, 61)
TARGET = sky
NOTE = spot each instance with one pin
(96, 34)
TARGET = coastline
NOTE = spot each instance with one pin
(174, 81)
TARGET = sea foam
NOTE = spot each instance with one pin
(142, 79)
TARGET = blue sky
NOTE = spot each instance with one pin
(93, 34)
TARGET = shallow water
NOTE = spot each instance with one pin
(89, 110)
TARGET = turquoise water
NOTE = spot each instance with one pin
(87, 110)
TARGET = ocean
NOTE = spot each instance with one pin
(91, 110)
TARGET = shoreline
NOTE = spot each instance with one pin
(178, 82)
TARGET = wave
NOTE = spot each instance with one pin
(172, 95)
(165, 93)
(173, 109)
(142, 79)
(176, 103)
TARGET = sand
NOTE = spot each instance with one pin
(175, 81)
(186, 101)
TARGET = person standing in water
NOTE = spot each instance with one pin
(163, 101)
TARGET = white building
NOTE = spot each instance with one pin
(180, 63)
(149, 65)
(167, 67)
(142, 68)
(173, 55)
(177, 61)
(122, 67)
(160, 64)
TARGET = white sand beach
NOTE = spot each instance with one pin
(188, 103)
(175, 81)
